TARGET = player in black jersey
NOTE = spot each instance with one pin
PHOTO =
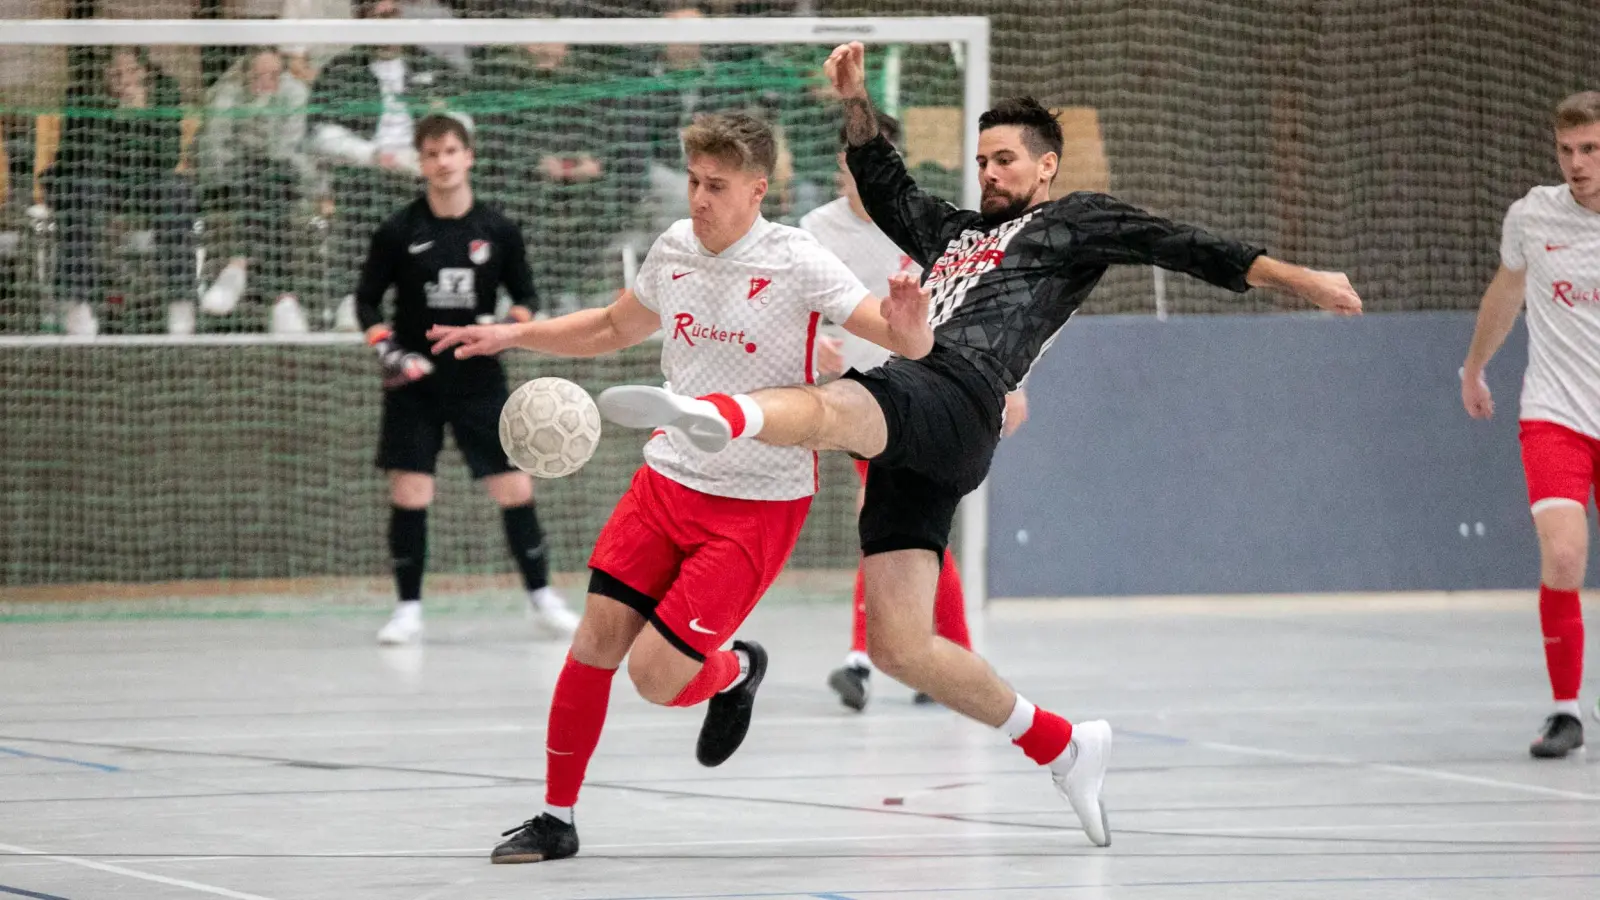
(1002, 281)
(447, 256)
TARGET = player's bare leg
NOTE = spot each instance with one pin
(513, 493)
(900, 639)
(1563, 553)
(840, 415)
(410, 495)
(577, 715)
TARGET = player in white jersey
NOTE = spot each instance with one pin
(698, 537)
(1550, 263)
(844, 228)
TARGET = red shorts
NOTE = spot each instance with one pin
(1561, 464)
(694, 564)
(861, 469)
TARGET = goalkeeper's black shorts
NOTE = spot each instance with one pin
(414, 418)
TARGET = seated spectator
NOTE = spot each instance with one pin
(253, 171)
(360, 128)
(121, 140)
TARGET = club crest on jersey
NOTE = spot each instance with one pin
(758, 287)
(478, 252)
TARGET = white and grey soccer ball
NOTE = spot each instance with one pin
(550, 427)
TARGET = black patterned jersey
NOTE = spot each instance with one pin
(1001, 292)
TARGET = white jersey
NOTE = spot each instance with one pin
(733, 322)
(868, 253)
(1556, 243)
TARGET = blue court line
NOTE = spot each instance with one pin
(830, 897)
(1223, 882)
(60, 759)
(7, 889)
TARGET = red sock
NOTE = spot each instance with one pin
(718, 671)
(1561, 620)
(950, 605)
(858, 621)
(577, 713)
(729, 408)
(1047, 738)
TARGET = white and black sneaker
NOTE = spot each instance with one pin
(1561, 734)
(540, 839)
(853, 685)
(644, 406)
(1080, 776)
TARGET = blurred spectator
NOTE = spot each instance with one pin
(361, 121)
(121, 140)
(253, 171)
(566, 157)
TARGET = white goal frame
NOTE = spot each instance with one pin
(972, 32)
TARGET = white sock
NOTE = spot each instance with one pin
(1571, 708)
(855, 659)
(408, 609)
(1020, 721)
(564, 813)
(754, 418)
(744, 671)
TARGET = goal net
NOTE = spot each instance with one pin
(187, 205)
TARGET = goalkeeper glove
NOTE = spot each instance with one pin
(400, 366)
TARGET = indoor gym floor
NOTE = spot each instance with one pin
(1350, 747)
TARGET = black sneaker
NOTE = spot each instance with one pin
(537, 840)
(921, 699)
(1562, 734)
(852, 686)
(728, 713)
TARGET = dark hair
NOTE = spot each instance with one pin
(735, 137)
(1040, 130)
(888, 126)
(1578, 110)
(437, 125)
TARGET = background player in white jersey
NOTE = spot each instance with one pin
(698, 537)
(844, 228)
(1550, 262)
(1006, 279)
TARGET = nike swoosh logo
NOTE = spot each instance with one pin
(418, 248)
(694, 625)
(677, 275)
(1551, 248)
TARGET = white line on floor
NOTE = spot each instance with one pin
(131, 873)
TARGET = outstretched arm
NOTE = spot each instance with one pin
(1496, 315)
(588, 332)
(1107, 231)
(920, 224)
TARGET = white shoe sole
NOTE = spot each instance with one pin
(643, 406)
(1083, 783)
(389, 638)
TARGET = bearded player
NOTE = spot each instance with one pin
(699, 536)
(1004, 280)
(1550, 263)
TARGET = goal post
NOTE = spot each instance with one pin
(26, 352)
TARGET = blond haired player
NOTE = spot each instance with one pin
(698, 537)
(1550, 263)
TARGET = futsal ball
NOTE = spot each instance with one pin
(549, 428)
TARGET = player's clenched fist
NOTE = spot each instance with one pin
(474, 340)
(1333, 292)
(1475, 395)
(846, 69)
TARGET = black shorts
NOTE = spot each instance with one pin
(414, 416)
(944, 422)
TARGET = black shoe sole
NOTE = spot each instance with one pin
(736, 733)
(852, 693)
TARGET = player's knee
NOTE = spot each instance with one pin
(654, 683)
(899, 656)
(510, 489)
(411, 490)
(1563, 563)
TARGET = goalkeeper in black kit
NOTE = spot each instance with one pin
(1002, 280)
(447, 257)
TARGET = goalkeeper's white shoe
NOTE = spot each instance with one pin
(1080, 776)
(288, 317)
(404, 627)
(644, 406)
(549, 609)
(224, 293)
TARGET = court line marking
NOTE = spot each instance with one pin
(23, 754)
(21, 892)
(134, 873)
